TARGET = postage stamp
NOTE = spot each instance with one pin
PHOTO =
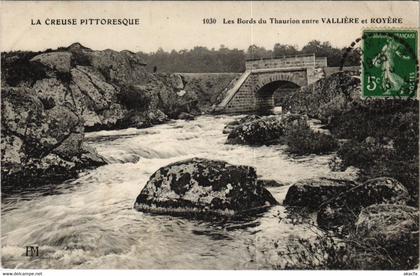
(390, 63)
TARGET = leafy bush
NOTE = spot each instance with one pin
(301, 140)
(16, 68)
(378, 119)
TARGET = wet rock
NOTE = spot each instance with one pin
(196, 187)
(344, 209)
(185, 116)
(392, 230)
(311, 193)
(262, 131)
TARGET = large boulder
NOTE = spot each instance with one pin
(197, 187)
(344, 209)
(118, 67)
(60, 61)
(257, 132)
(311, 193)
(391, 230)
(40, 143)
(262, 130)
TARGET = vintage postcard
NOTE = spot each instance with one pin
(212, 135)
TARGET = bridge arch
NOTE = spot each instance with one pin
(294, 76)
(273, 94)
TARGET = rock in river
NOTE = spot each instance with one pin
(311, 193)
(197, 187)
(231, 125)
(261, 131)
(256, 130)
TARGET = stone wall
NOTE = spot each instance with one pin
(285, 62)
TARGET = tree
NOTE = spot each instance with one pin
(284, 50)
(256, 52)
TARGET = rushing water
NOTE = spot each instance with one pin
(90, 223)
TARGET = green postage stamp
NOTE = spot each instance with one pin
(389, 63)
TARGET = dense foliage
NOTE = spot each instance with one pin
(201, 59)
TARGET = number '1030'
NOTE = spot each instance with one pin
(209, 20)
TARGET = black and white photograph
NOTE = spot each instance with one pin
(209, 135)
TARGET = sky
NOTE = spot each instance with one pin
(179, 25)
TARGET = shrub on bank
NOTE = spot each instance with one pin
(379, 119)
(301, 140)
(18, 68)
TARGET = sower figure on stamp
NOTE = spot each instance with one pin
(391, 82)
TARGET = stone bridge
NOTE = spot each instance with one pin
(266, 81)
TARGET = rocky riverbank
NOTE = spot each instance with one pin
(50, 98)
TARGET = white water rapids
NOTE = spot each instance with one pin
(90, 222)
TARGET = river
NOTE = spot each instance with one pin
(89, 222)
